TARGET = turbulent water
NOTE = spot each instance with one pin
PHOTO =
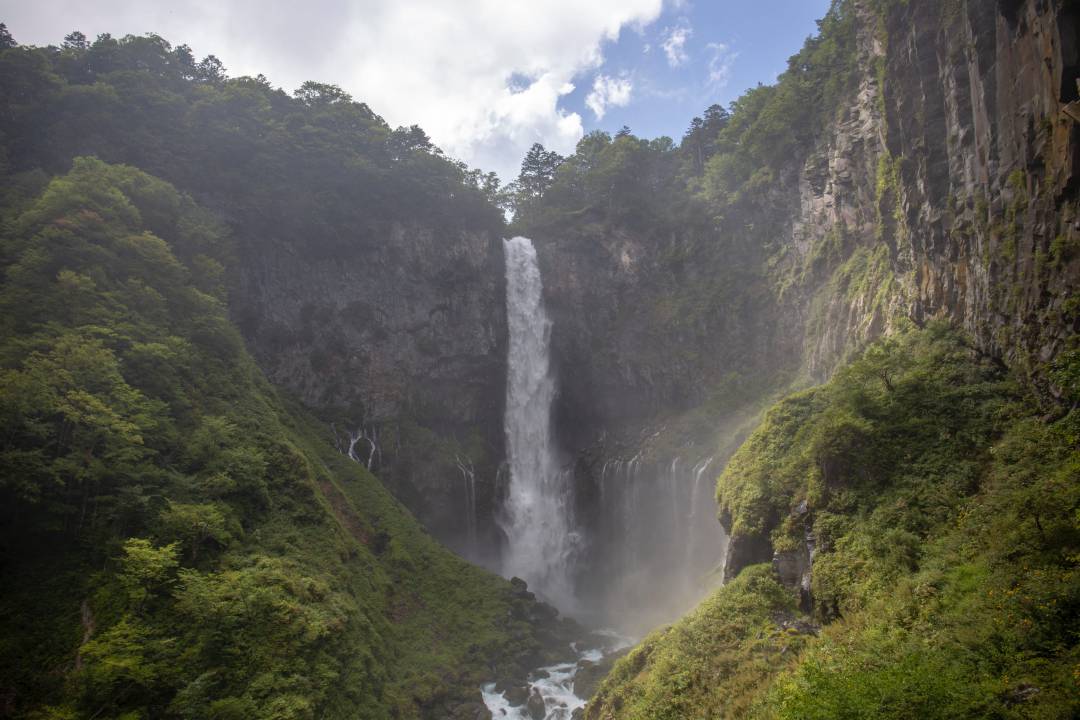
(536, 516)
(555, 684)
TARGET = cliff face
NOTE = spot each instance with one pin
(959, 155)
(399, 339)
(948, 188)
(642, 324)
(946, 185)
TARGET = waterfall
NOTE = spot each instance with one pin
(692, 521)
(468, 475)
(541, 544)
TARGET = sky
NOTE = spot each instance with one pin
(485, 78)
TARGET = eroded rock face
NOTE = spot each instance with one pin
(637, 336)
(402, 335)
(963, 162)
(958, 165)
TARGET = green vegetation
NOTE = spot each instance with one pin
(946, 515)
(725, 160)
(316, 165)
(711, 662)
(178, 541)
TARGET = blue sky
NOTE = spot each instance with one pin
(485, 78)
(746, 43)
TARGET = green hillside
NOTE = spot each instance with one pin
(178, 539)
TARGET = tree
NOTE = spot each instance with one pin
(75, 40)
(210, 70)
(405, 141)
(316, 94)
(194, 525)
(184, 59)
(537, 173)
(146, 570)
(700, 141)
(6, 41)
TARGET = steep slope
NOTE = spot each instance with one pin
(921, 506)
(366, 272)
(178, 540)
(940, 516)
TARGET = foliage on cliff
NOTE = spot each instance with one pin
(177, 540)
(727, 157)
(945, 511)
(710, 663)
(315, 176)
(316, 165)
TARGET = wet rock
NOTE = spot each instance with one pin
(745, 550)
(798, 624)
(535, 706)
(506, 684)
(471, 711)
(542, 612)
(517, 695)
(590, 674)
(520, 589)
(1022, 693)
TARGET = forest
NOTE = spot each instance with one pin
(809, 373)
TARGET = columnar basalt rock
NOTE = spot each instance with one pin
(959, 159)
(975, 193)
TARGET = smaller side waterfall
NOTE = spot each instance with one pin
(468, 476)
(655, 548)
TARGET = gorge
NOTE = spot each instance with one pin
(305, 419)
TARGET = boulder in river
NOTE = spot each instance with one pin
(535, 706)
(517, 695)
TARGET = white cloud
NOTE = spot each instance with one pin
(720, 62)
(674, 44)
(484, 78)
(608, 92)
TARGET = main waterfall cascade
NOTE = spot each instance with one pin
(542, 542)
(651, 547)
(641, 558)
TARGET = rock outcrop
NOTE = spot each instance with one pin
(959, 155)
(401, 338)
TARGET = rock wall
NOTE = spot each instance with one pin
(401, 336)
(949, 188)
(946, 186)
(959, 155)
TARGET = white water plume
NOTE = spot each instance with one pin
(536, 515)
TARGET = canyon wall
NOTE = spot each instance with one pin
(945, 186)
(399, 340)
